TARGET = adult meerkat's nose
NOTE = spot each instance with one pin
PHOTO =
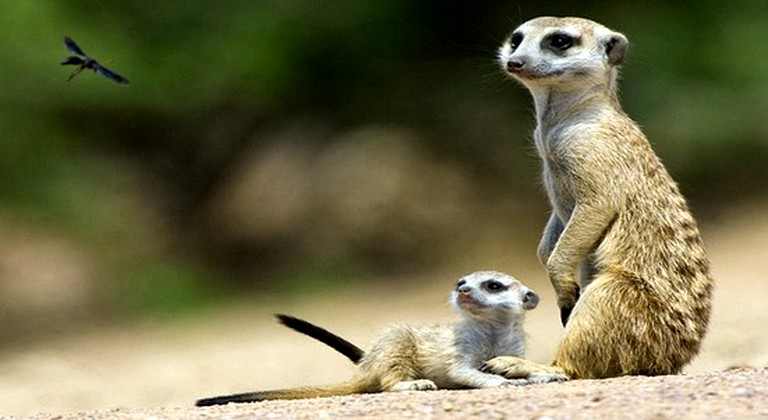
(515, 65)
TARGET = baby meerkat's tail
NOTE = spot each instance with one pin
(346, 388)
(324, 336)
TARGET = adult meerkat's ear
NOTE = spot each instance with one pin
(616, 46)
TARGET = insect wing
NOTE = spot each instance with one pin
(72, 60)
(110, 74)
(72, 46)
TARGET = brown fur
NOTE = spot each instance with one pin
(642, 304)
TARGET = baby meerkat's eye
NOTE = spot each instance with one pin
(515, 40)
(461, 283)
(494, 286)
(561, 41)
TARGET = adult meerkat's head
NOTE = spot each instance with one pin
(567, 52)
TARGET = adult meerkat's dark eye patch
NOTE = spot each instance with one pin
(515, 40)
(560, 41)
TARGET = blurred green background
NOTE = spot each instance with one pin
(277, 147)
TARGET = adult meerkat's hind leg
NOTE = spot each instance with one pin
(517, 368)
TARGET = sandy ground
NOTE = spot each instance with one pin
(735, 394)
(158, 370)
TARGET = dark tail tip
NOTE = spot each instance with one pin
(351, 351)
(206, 402)
(226, 399)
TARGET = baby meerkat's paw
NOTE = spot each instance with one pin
(495, 381)
(513, 382)
(544, 378)
(417, 385)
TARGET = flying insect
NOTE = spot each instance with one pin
(82, 61)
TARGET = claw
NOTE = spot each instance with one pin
(565, 313)
(485, 368)
(565, 310)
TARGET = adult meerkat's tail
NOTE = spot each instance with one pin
(324, 336)
(283, 394)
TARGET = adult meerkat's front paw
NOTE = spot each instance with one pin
(566, 300)
(509, 367)
(520, 369)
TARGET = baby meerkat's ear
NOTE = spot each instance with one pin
(616, 47)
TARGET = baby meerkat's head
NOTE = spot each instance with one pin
(568, 52)
(491, 295)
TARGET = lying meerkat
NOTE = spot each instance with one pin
(492, 306)
(643, 300)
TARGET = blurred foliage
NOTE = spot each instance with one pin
(136, 174)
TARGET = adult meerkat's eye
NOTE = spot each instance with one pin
(515, 40)
(561, 41)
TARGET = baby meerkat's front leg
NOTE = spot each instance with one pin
(586, 226)
(470, 377)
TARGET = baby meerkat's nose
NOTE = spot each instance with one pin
(530, 299)
(463, 289)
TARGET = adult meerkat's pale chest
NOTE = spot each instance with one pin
(621, 248)
(569, 68)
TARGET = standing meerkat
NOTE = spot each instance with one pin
(410, 358)
(619, 221)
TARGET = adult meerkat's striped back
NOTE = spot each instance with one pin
(621, 247)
